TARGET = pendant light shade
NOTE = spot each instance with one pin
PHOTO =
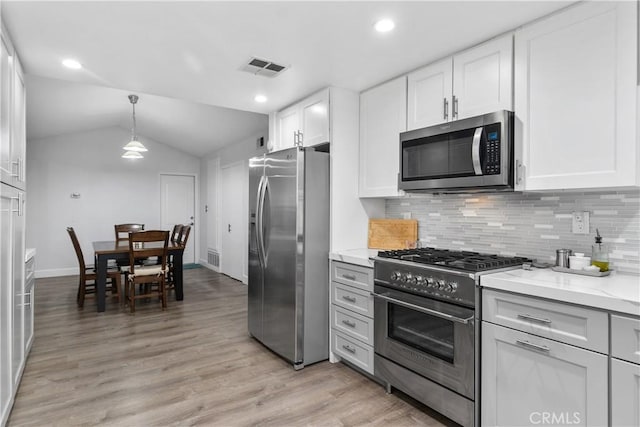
(134, 147)
(132, 155)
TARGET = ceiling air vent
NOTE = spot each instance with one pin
(262, 67)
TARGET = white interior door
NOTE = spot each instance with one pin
(177, 201)
(234, 220)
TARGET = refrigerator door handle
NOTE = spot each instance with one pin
(263, 244)
(259, 201)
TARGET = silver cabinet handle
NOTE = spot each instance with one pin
(533, 346)
(455, 107)
(349, 276)
(424, 309)
(349, 323)
(20, 210)
(17, 165)
(446, 109)
(348, 298)
(349, 349)
(475, 151)
(534, 319)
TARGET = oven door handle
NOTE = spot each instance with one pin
(424, 309)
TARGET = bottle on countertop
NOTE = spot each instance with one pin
(600, 253)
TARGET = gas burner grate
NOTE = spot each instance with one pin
(459, 260)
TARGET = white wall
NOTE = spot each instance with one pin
(210, 189)
(112, 190)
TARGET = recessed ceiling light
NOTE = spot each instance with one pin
(72, 63)
(384, 25)
(260, 98)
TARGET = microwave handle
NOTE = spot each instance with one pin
(475, 151)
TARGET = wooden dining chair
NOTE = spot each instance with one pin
(181, 239)
(142, 245)
(175, 234)
(88, 276)
(123, 230)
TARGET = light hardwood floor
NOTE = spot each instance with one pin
(193, 364)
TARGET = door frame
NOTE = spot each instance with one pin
(245, 209)
(196, 204)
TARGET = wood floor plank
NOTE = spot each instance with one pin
(193, 364)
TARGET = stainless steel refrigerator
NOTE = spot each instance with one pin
(288, 294)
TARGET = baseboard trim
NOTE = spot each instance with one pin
(205, 264)
(55, 272)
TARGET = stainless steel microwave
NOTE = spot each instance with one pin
(474, 154)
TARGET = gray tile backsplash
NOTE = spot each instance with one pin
(526, 224)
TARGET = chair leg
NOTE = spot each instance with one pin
(81, 292)
(163, 293)
(132, 297)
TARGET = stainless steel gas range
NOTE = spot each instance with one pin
(426, 325)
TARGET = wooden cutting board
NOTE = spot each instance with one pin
(392, 233)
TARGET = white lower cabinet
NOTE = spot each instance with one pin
(351, 308)
(528, 380)
(625, 393)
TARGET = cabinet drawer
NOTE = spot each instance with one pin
(352, 275)
(579, 326)
(354, 351)
(352, 298)
(625, 338)
(352, 324)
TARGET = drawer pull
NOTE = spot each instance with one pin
(534, 319)
(349, 349)
(348, 298)
(533, 346)
(349, 276)
(349, 323)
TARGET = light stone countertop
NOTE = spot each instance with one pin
(355, 256)
(617, 292)
(29, 253)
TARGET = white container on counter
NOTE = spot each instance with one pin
(579, 261)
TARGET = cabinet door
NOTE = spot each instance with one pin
(383, 115)
(483, 78)
(6, 297)
(18, 125)
(29, 295)
(287, 125)
(314, 112)
(17, 278)
(526, 380)
(429, 95)
(6, 166)
(625, 393)
(575, 97)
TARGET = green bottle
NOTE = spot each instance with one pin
(600, 254)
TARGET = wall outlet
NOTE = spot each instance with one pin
(580, 223)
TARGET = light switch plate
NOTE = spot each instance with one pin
(580, 223)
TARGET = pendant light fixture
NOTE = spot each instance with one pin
(134, 147)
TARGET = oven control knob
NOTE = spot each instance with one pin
(419, 280)
(453, 287)
(430, 281)
(395, 275)
(441, 284)
(408, 278)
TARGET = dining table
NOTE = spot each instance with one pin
(119, 250)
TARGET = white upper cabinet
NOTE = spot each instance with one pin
(473, 82)
(429, 95)
(575, 98)
(305, 123)
(483, 78)
(383, 115)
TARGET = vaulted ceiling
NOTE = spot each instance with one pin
(184, 59)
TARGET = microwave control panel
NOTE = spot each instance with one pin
(492, 150)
